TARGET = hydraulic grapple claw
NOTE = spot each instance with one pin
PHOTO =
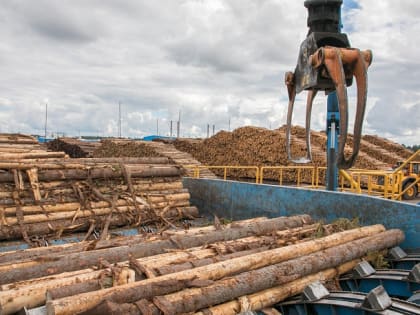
(327, 63)
(338, 64)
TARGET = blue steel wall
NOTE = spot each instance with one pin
(235, 200)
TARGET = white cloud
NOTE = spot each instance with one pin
(212, 60)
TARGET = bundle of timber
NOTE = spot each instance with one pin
(124, 148)
(46, 198)
(16, 138)
(263, 147)
(18, 147)
(75, 148)
(243, 266)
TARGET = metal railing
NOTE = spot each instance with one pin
(299, 170)
(387, 184)
(197, 168)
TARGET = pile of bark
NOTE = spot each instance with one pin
(75, 148)
(49, 197)
(220, 269)
(124, 148)
(262, 147)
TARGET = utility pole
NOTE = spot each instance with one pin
(119, 119)
(178, 125)
(208, 130)
(214, 127)
(46, 120)
(171, 129)
(229, 124)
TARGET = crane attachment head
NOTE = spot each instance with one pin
(327, 63)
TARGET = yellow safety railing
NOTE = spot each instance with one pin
(346, 179)
(320, 170)
(387, 184)
(379, 183)
(282, 169)
(225, 168)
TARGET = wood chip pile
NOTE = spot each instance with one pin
(263, 147)
(48, 197)
(75, 148)
(220, 269)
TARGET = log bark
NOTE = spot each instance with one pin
(34, 253)
(35, 295)
(83, 163)
(73, 283)
(83, 260)
(152, 199)
(191, 300)
(20, 156)
(104, 173)
(260, 300)
(173, 282)
(56, 222)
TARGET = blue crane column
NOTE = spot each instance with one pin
(333, 131)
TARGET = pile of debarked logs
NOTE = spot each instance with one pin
(47, 196)
(219, 269)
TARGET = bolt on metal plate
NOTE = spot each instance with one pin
(377, 299)
(363, 269)
(414, 274)
(397, 253)
(315, 291)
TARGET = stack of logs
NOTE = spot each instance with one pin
(243, 266)
(17, 147)
(75, 148)
(46, 197)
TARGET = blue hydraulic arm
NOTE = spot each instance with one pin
(333, 131)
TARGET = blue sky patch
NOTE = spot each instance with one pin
(350, 4)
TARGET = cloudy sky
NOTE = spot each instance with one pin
(216, 62)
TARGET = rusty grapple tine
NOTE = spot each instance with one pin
(331, 58)
(309, 103)
(291, 88)
(360, 73)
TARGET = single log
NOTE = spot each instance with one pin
(43, 280)
(55, 222)
(104, 173)
(19, 156)
(64, 213)
(83, 260)
(157, 200)
(12, 301)
(58, 163)
(190, 300)
(269, 297)
(172, 282)
(58, 227)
